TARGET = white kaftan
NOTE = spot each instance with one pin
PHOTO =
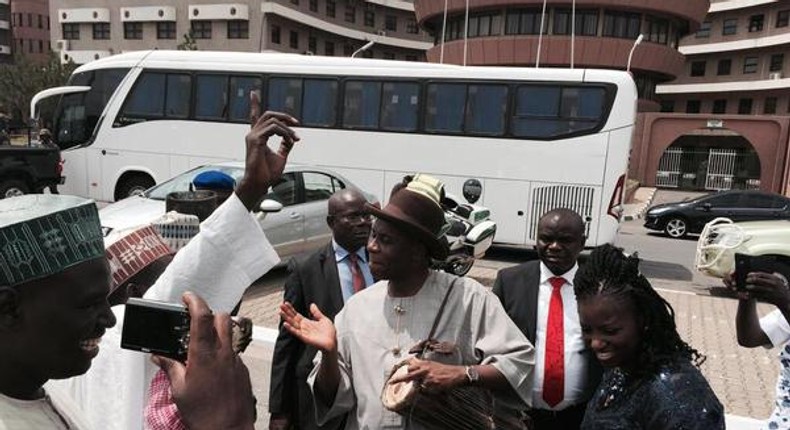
(230, 253)
(368, 331)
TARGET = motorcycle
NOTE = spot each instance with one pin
(469, 234)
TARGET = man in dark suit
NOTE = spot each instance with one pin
(538, 296)
(327, 278)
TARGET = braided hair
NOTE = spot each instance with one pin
(608, 272)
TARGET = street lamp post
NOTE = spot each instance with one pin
(631, 54)
(364, 47)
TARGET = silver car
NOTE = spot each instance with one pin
(299, 227)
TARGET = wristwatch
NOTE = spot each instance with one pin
(471, 375)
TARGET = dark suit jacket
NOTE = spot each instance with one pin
(517, 288)
(311, 279)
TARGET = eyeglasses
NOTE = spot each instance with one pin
(354, 217)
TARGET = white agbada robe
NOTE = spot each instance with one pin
(230, 253)
(368, 330)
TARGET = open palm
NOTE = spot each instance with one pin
(318, 332)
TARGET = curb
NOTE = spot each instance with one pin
(642, 207)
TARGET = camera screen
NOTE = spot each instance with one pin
(155, 330)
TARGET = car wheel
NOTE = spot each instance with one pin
(133, 186)
(13, 188)
(676, 228)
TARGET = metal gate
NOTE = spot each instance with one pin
(668, 174)
(721, 169)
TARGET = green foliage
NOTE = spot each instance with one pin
(189, 43)
(23, 78)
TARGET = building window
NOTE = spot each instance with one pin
(30, 23)
(330, 8)
(704, 30)
(312, 45)
(329, 49)
(698, 68)
(411, 58)
(750, 65)
(238, 29)
(586, 22)
(40, 46)
(730, 27)
(71, 31)
(389, 56)
(275, 34)
(657, 30)
(782, 18)
(293, 40)
(370, 18)
(756, 23)
(621, 24)
(295, 2)
(391, 23)
(777, 63)
(411, 26)
(745, 106)
(692, 106)
(313, 5)
(166, 30)
(351, 14)
(724, 67)
(40, 21)
(667, 106)
(484, 25)
(367, 53)
(201, 29)
(720, 106)
(769, 108)
(101, 31)
(133, 30)
(348, 50)
(523, 21)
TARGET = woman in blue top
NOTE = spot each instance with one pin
(651, 379)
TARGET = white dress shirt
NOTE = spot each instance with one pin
(575, 360)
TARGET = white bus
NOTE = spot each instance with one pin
(535, 139)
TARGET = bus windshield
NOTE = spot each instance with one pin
(78, 114)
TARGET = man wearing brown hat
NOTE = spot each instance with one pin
(379, 326)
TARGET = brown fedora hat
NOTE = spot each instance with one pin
(414, 208)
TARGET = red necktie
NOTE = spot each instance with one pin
(357, 280)
(554, 360)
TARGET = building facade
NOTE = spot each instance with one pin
(84, 30)
(30, 29)
(724, 121)
(506, 33)
(5, 31)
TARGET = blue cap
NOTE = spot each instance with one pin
(214, 180)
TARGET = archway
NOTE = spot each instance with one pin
(709, 160)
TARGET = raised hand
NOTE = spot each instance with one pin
(318, 332)
(263, 166)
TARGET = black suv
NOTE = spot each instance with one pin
(682, 218)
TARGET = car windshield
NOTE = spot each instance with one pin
(182, 182)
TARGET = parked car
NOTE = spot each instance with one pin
(681, 218)
(28, 169)
(299, 227)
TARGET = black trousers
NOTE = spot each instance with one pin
(569, 418)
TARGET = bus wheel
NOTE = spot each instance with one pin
(13, 188)
(132, 186)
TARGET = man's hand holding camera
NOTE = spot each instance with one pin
(765, 287)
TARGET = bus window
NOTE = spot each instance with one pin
(177, 99)
(285, 95)
(211, 101)
(240, 88)
(400, 105)
(146, 99)
(583, 103)
(537, 110)
(361, 104)
(445, 112)
(485, 109)
(320, 103)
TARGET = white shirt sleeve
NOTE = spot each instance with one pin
(345, 399)
(775, 326)
(230, 253)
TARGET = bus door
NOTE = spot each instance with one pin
(509, 205)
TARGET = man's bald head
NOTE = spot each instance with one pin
(348, 219)
(565, 216)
